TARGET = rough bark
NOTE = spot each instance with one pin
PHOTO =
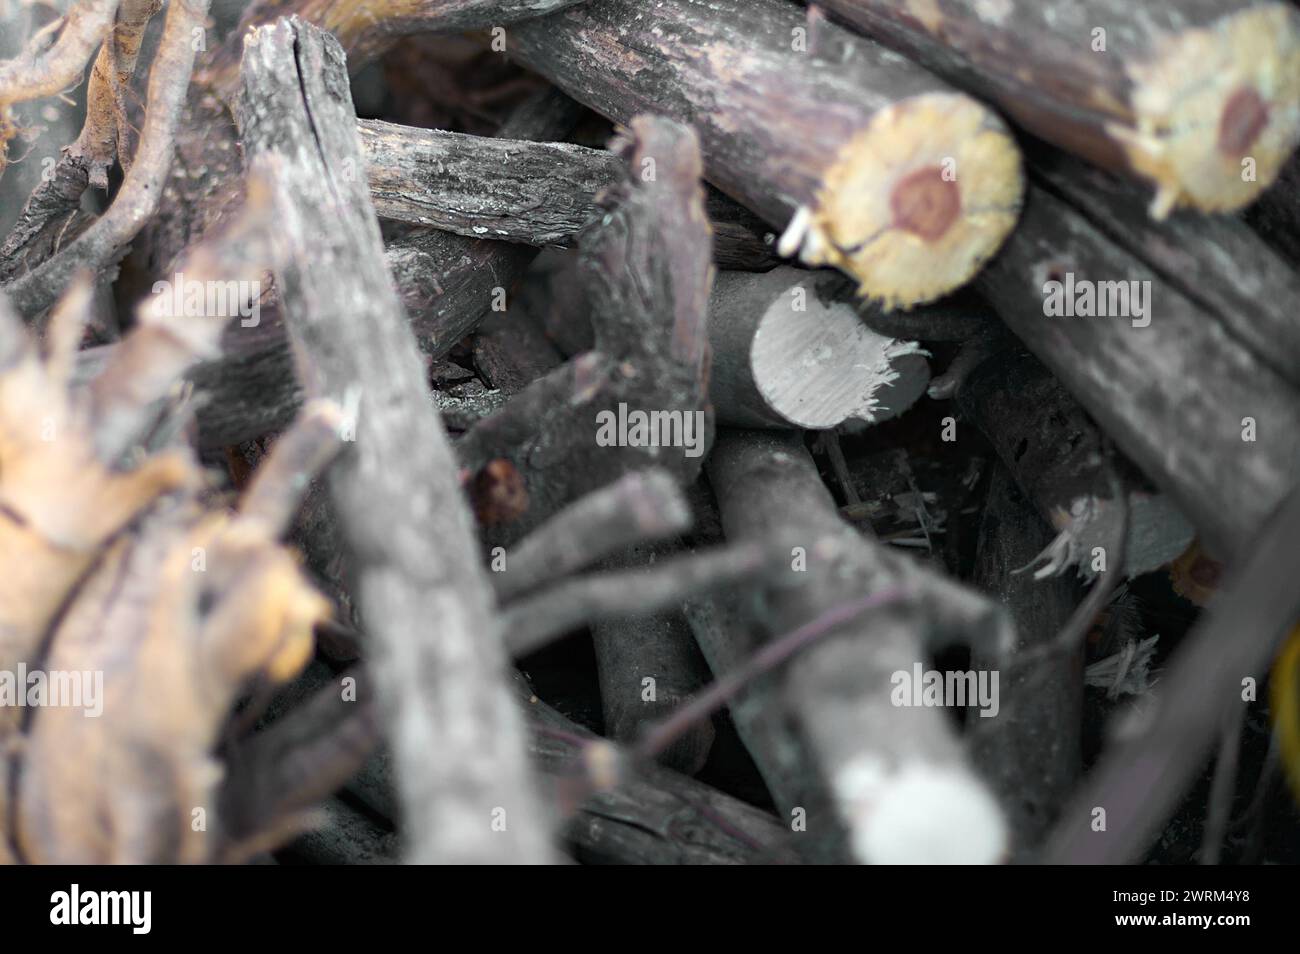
(456, 737)
(1174, 394)
(881, 761)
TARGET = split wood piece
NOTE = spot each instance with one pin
(896, 774)
(648, 665)
(639, 399)
(1059, 459)
(1201, 98)
(104, 136)
(640, 507)
(437, 650)
(1030, 752)
(1217, 261)
(137, 199)
(1199, 413)
(652, 815)
(1141, 779)
(790, 351)
(1276, 215)
(866, 161)
(536, 193)
(728, 637)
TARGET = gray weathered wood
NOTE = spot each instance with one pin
(435, 641)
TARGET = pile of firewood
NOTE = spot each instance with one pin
(699, 431)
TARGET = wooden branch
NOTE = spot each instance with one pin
(456, 737)
(537, 193)
(657, 646)
(141, 190)
(48, 65)
(1203, 256)
(532, 622)
(1058, 457)
(789, 350)
(300, 759)
(846, 151)
(1030, 754)
(1178, 373)
(1179, 94)
(640, 507)
(647, 272)
(1141, 779)
(895, 774)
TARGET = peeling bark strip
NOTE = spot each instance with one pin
(1180, 94)
(437, 655)
(1202, 415)
(789, 351)
(868, 162)
(538, 193)
(647, 272)
(1057, 456)
(896, 774)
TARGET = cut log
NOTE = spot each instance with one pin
(868, 162)
(896, 773)
(1200, 414)
(790, 351)
(1201, 98)
(457, 738)
(1059, 460)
